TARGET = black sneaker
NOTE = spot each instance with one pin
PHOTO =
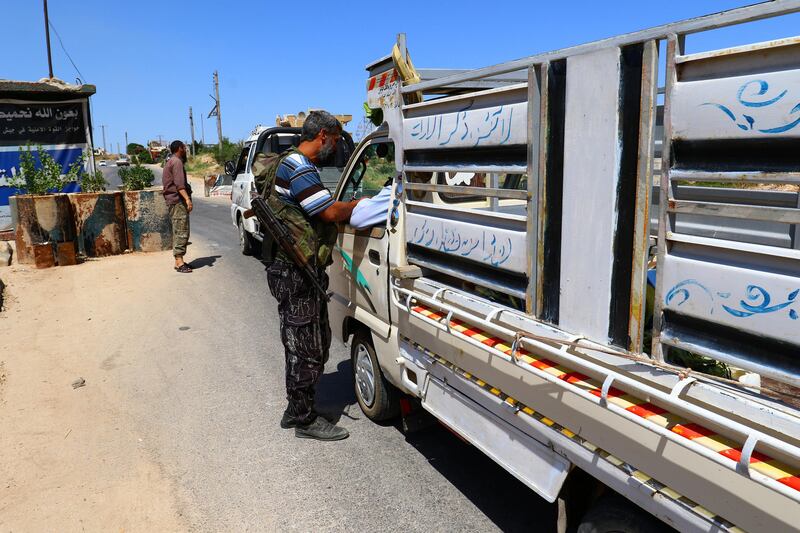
(288, 421)
(320, 429)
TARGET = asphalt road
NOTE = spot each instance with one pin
(212, 424)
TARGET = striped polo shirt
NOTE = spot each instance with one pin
(298, 181)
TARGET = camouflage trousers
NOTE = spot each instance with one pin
(179, 216)
(305, 333)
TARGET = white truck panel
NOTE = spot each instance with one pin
(496, 247)
(491, 126)
(591, 160)
(762, 303)
(764, 105)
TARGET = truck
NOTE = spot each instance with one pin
(639, 368)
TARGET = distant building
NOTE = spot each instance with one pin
(296, 121)
(156, 149)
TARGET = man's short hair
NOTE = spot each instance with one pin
(318, 121)
(174, 146)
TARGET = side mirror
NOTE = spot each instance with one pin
(230, 168)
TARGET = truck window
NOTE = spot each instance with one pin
(241, 164)
(374, 167)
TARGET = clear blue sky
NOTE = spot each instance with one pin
(152, 60)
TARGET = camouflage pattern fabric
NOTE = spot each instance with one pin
(179, 216)
(311, 235)
(305, 333)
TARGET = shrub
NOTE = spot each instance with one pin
(144, 157)
(45, 177)
(136, 178)
(93, 182)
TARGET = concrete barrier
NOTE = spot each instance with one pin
(41, 220)
(100, 222)
(147, 220)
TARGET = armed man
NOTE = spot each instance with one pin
(294, 199)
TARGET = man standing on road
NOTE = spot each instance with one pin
(178, 194)
(305, 331)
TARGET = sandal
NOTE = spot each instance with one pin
(184, 269)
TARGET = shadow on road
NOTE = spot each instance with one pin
(201, 262)
(506, 501)
(335, 396)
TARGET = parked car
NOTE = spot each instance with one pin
(274, 140)
(102, 163)
(123, 161)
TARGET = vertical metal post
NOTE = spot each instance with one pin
(191, 126)
(202, 130)
(401, 44)
(126, 142)
(532, 234)
(539, 180)
(665, 220)
(103, 126)
(494, 183)
(219, 110)
(644, 181)
(47, 35)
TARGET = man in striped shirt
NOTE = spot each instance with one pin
(305, 331)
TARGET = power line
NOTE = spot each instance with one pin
(65, 51)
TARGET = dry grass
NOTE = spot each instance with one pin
(202, 165)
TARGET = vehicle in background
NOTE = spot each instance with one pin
(102, 163)
(274, 140)
(512, 294)
(123, 161)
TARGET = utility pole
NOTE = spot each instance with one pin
(47, 34)
(103, 126)
(120, 153)
(202, 130)
(219, 111)
(191, 125)
(126, 142)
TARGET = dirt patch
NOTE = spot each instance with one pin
(2, 380)
(74, 458)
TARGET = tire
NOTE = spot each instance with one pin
(245, 240)
(615, 514)
(378, 398)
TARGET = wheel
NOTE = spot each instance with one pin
(245, 241)
(379, 399)
(615, 514)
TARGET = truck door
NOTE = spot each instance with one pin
(359, 275)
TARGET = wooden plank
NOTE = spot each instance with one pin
(641, 235)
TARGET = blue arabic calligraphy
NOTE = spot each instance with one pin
(495, 126)
(757, 300)
(489, 247)
(749, 95)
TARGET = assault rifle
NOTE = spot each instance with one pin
(280, 233)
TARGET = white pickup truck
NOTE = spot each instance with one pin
(275, 140)
(508, 289)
